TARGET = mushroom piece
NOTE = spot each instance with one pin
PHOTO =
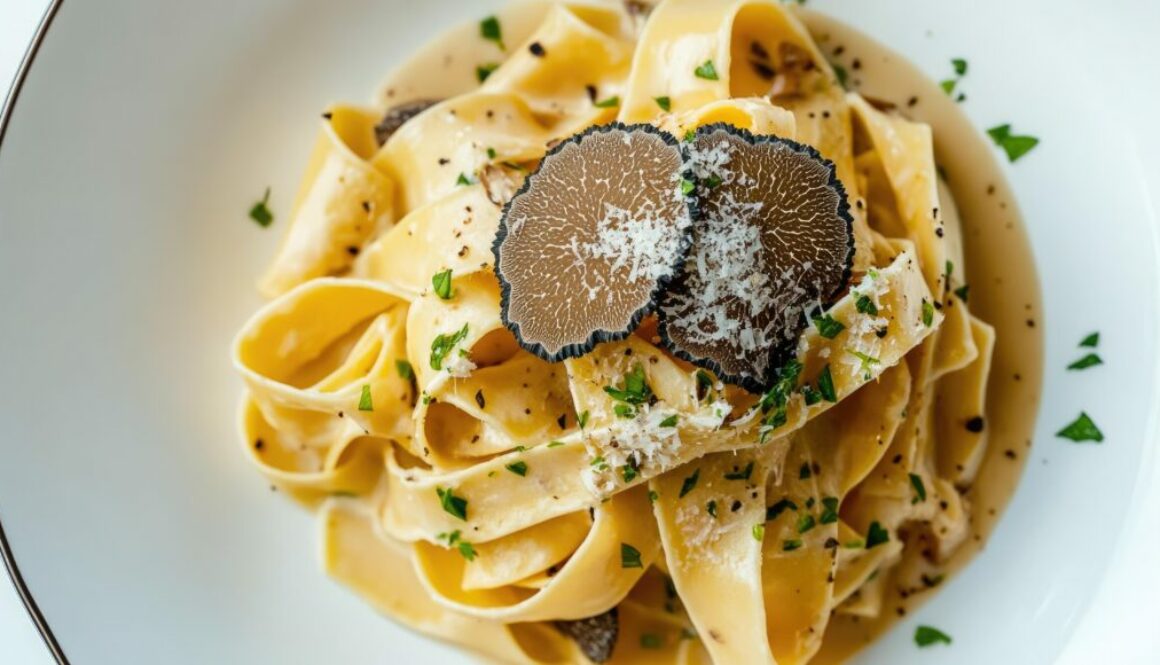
(588, 243)
(398, 115)
(773, 240)
(596, 635)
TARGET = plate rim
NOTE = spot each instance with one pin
(6, 552)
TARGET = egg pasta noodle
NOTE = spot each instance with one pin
(481, 495)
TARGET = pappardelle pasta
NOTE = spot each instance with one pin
(626, 504)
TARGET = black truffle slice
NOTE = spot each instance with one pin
(588, 242)
(396, 116)
(773, 239)
(596, 635)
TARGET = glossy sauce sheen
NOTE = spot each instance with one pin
(999, 266)
(1004, 291)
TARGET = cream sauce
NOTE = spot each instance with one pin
(1004, 291)
(998, 266)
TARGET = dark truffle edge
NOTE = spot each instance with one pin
(781, 353)
(398, 115)
(575, 350)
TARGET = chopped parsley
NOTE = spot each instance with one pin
(665, 103)
(454, 539)
(490, 30)
(829, 510)
(689, 483)
(1014, 145)
(963, 291)
(452, 505)
(948, 85)
(1081, 429)
(582, 419)
(442, 345)
(828, 326)
(687, 186)
(260, 212)
(866, 306)
(960, 66)
(629, 556)
(876, 535)
(485, 70)
(690, 135)
(441, 282)
(624, 411)
(365, 403)
(704, 384)
(841, 74)
(555, 444)
(610, 103)
(1090, 360)
(653, 496)
(711, 508)
(671, 421)
(635, 392)
(927, 313)
(826, 385)
(519, 468)
(598, 463)
(650, 641)
(805, 523)
(790, 545)
(629, 473)
(491, 153)
(1091, 341)
(707, 71)
(462, 179)
(810, 395)
(778, 508)
(404, 369)
(919, 488)
(759, 532)
(925, 636)
(867, 361)
(743, 474)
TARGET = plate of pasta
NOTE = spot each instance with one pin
(688, 331)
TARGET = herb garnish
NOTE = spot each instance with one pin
(841, 74)
(1081, 429)
(828, 326)
(485, 70)
(707, 71)
(671, 421)
(452, 505)
(665, 103)
(866, 306)
(960, 66)
(963, 291)
(919, 488)
(490, 30)
(790, 545)
(610, 103)
(582, 419)
(1090, 360)
(1091, 341)
(650, 641)
(441, 282)
(404, 369)
(711, 508)
(629, 556)
(455, 540)
(687, 186)
(442, 345)
(778, 508)
(927, 313)
(635, 393)
(1014, 145)
(826, 385)
(555, 444)
(462, 180)
(876, 535)
(759, 532)
(689, 483)
(364, 401)
(829, 510)
(260, 212)
(805, 523)
(519, 468)
(629, 473)
(925, 636)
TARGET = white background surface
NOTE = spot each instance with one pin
(20, 644)
(1121, 626)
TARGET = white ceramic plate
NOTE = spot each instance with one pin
(144, 130)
